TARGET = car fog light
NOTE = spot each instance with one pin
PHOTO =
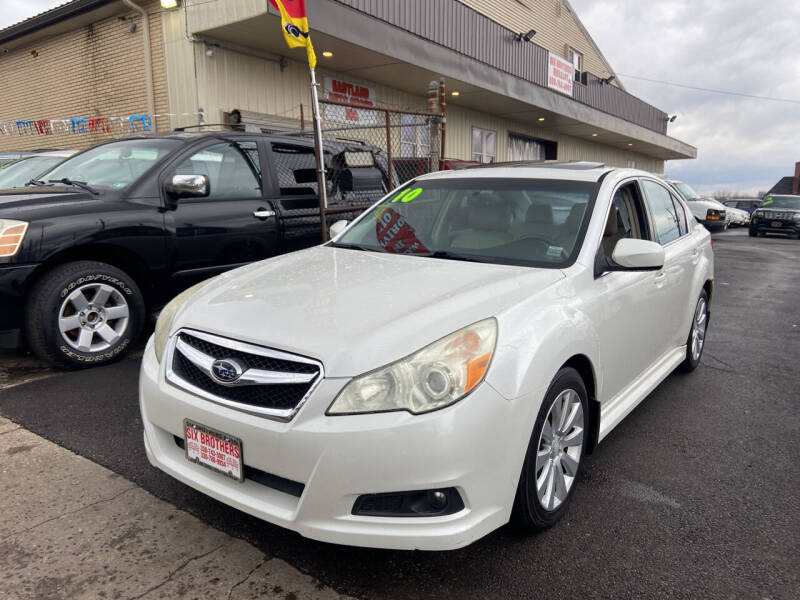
(423, 503)
(437, 499)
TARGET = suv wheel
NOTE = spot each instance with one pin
(697, 334)
(553, 461)
(82, 314)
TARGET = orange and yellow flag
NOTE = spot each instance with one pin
(295, 26)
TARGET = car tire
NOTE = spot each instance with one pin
(548, 481)
(751, 232)
(696, 341)
(102, 302)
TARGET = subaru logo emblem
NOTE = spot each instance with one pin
(226, 370)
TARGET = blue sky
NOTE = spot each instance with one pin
(742, 46)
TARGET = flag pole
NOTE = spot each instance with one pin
(319, 154)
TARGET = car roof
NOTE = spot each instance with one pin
(574, 171)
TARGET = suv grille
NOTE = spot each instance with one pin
(270, 382)
(777, 215)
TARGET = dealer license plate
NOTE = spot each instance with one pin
(213, 449)
(776, 224)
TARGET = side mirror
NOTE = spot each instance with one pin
(631, 255)
(189, 186)
(338, 228)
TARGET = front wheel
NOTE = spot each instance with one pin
(697, 334)
(553, 460)
(751, 232)
(82, 314)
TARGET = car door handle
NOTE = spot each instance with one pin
(660, 278)
(263, 213)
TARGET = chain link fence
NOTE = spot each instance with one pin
(368, 152)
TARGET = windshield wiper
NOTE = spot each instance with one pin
(36, 182)
(78, 184)
(355, 247)
(455, 256)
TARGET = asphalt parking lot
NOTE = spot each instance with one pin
(695, 495)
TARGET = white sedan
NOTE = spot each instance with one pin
(442, 365)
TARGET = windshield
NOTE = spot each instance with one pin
(508, 221)
(18, 173)
(113, 165)
(687, 191)
(781, 202)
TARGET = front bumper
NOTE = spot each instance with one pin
(476, 446)
(14, 284)
(775, 226)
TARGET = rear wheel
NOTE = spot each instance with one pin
(82, 314)
(697, 334)
(555, 452)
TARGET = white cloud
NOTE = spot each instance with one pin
(736, 45)
(15, 11)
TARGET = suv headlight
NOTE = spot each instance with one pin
(436, 376)
(11, 235)
(164, 322)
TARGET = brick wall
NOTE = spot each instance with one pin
(94, 70)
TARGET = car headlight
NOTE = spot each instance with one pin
(11, 235)
(167, 314)
(796, 216)
(436, 376)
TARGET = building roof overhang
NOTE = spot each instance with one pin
(370, 49)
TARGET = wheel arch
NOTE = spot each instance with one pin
(583, 365)
(116, 256)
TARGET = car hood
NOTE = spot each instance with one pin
(15, 203)
(352, 310)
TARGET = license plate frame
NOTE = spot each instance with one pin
(776, 224)
(192, 449)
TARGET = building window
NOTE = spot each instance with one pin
(484, 145)
(576, 58)
(415, 136)
(631, 164)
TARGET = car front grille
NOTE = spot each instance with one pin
(270, 383)
(777, 215)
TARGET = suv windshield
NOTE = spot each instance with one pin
(688, 192)
(781, 202)
(533, 222)
(113, 165)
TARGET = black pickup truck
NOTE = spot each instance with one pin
(111, 234)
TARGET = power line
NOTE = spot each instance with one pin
(702, 89)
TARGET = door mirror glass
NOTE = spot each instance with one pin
(638, 255)
(189, 186)
(338, 227)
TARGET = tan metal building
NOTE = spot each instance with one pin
(87, 58)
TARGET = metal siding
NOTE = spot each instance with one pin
(454, 25)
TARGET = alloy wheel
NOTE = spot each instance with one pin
(699, 328)
(93, 317)
(559, 450)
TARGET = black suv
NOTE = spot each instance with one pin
(777, 214)
(116, 231)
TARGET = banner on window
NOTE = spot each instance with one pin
(560, 74)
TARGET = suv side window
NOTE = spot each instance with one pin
(296, 169)
(233, 169)
(665, 219)
(625, 219)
